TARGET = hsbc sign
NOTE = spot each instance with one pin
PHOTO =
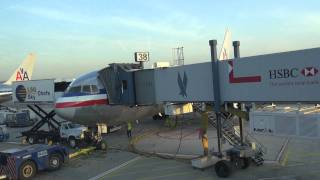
(292, 73)
(283, 73)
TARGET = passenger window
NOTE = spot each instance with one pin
(86, 89)
(75, 89)
(94, 89)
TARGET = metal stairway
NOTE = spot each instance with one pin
(229, 134)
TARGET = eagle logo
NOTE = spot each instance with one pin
(183, 84)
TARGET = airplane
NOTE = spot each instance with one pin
(226, 46)
(22, 73)
(85, 101)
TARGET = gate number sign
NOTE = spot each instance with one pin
(141, 56)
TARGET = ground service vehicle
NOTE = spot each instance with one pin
(72, 133)
(61, 132)
(67, 132)
(23, 163)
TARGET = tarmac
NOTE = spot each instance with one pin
(286, 158)
(184, 142)
(159, 152)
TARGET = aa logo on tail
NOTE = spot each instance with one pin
(22, 75)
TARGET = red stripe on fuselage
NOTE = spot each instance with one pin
(81, 103)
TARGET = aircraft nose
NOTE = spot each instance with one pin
(63, 110)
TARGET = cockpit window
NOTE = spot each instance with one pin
(86, 89)
(76, 89)
(94, 89)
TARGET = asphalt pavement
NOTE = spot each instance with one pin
(300, 158)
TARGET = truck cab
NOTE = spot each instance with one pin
(72, 132)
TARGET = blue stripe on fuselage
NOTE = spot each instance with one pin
(72, 94)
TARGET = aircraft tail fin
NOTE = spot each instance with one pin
(24, 71)
(226, 46)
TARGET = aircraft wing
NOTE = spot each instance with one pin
(5, 96)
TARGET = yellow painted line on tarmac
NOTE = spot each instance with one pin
(285, 160)
(81, 152)
(139, 137)
(167, 175)
(74, 159)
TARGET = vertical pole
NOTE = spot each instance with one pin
(236, 45)
(141, 64)
(216, 88)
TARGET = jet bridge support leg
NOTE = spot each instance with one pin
(240, 155)
(236, 53)
(216, 87)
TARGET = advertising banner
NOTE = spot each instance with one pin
(35, 91)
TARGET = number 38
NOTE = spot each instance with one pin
(143, 56)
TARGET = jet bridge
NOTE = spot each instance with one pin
(281, 77)
(119, 82)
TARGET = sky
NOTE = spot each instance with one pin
(72, 37)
